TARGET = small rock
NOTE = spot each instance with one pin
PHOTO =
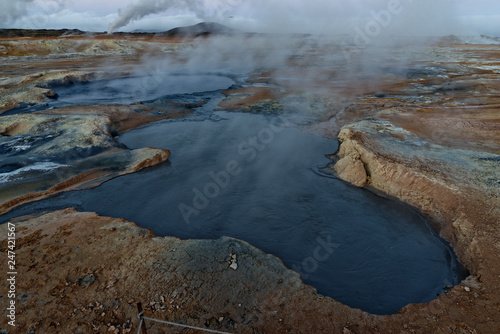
(111, 329)
(472, 282)
(52, 95)
(351, 170)
(130, 301)
(467, 289)
(221, 319)
(234, 266)
(86, 280)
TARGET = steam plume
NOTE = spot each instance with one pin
(204, 9)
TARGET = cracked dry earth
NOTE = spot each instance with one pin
(430, 138)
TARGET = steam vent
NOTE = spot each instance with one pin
(280, 167)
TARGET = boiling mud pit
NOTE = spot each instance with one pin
(257, 178)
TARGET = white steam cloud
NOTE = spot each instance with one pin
(204, 9)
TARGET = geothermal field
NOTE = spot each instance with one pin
(249, 182)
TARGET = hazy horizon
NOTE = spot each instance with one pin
(406, 17)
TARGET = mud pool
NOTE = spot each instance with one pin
(256, 178)
(128, 90)
(138, 88)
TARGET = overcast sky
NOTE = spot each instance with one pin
(316, 16)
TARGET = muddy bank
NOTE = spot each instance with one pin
(459, 189)
(106, 265)
(24, 89)
(438, 151)
(71, 146)
(44, 154)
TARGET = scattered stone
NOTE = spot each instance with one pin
(472, 282)
(87, 280)
(234, 266)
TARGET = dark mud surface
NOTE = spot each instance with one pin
(256, 178)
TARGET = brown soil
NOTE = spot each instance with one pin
(476, 128)
(123, 117)
(244, 98)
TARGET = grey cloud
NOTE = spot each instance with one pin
(13, 10)
(320, 16)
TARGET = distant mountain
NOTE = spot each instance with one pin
(12, 33)
(197, 30)
(200, 29)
